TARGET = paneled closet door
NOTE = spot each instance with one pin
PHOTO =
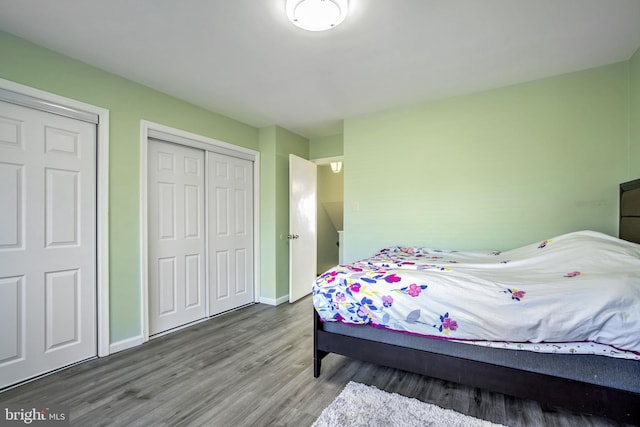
(176, 235)
(231, 234)
(47, 242)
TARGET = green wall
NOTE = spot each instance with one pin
(128, 103)
(268, 214)
(496, 169)
(326, 146)
(634, 114)
(276, 144)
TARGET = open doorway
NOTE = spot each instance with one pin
(330, 213)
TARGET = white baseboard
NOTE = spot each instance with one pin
(126, 344)
(138, 340)
(277, 301)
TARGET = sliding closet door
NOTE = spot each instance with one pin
(230, 232)
(177, 287)
(47, 242)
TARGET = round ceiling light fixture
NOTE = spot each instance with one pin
(317, 15)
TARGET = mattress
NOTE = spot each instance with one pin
(577, 293)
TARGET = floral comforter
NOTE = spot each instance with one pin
(581, 287)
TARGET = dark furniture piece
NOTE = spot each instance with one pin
(592, 384)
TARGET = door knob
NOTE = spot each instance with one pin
(292, 236)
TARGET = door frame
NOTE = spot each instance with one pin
(177, 136)
(102, 197)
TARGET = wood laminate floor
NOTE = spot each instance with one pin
(250, 367)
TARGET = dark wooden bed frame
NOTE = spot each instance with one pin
(620, 405)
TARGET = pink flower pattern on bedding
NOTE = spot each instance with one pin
(447, 324)
(515, 294)
(577, 287)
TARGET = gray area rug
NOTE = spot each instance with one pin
(363, 405)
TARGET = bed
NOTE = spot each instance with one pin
(593, 367)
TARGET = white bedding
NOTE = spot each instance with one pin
(580, 289)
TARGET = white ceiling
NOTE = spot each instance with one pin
(243, 59)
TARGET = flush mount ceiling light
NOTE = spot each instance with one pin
(317, 15)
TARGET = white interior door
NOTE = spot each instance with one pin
(302, 226)
(176, 233)
(47, 242)
(230, 232)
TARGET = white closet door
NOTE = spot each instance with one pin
(231, 281)
(176, 236)
(47, 242)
